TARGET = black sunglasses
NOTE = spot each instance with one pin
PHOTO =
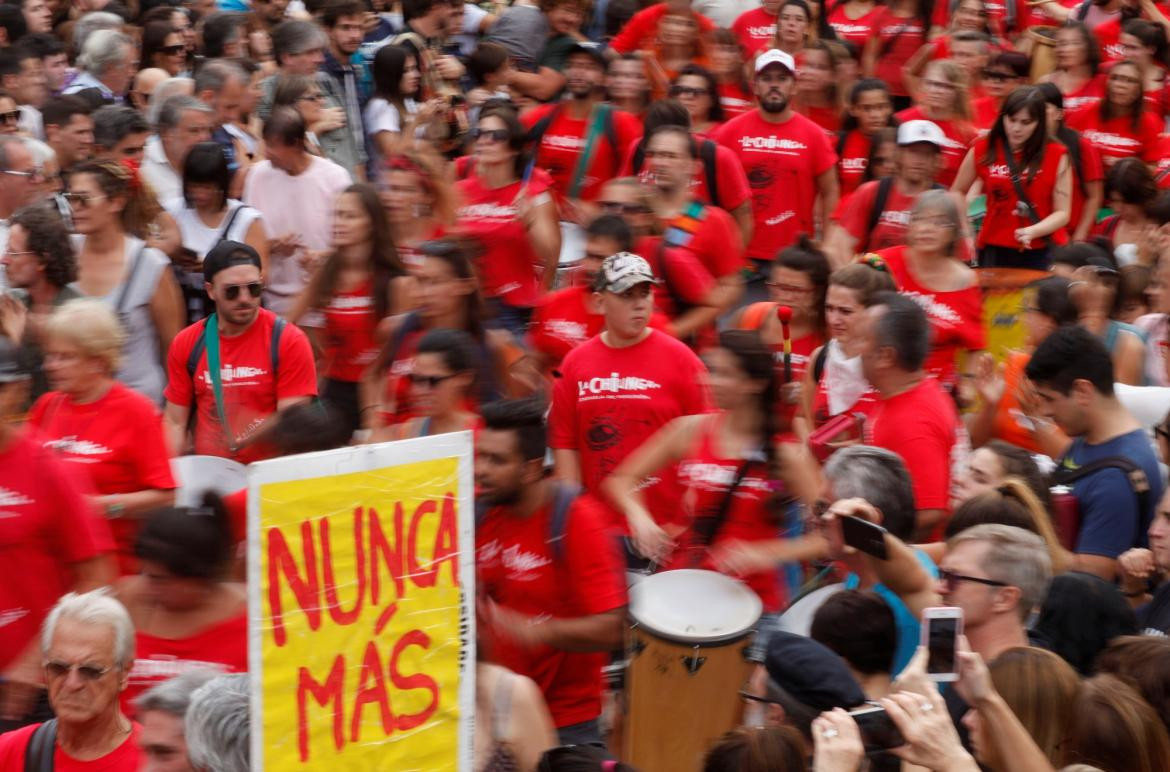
(495, 135)
(232, 291)
(618, 207)
(950, 579)
(172, 50)
(997, 75)
(431, 381)
(692, 91)
(12, 116)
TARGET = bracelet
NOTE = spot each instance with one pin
(370, 407)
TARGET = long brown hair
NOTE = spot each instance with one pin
(384, 261)
(120, 180)
(1115, 729)
(1040, 688)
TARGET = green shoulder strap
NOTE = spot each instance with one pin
(597, 121)
(211, 343)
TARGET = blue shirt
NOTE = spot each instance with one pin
(1111, 521)
(909, 631)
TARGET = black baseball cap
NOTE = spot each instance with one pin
(227, 254)
(810, 672)
(590, 49)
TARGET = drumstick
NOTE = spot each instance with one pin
(784, 314)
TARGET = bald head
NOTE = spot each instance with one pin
(144, 85)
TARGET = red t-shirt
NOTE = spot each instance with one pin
(117, 441)
(828, 118)
(46, 525)
(782, 162)
(920, 425)
(125, 758)
(899, 38)
(754, 30)
(250, 393)
(1089, 94)
(731, 182)
(222, 647)
(564, 141)
(563, 321)
(1117, 137)
(517, 568)
(706, 475)
(892, 222)
(855, 31)
(853, 162)
(956, 317)
(1091, 170)
(735, 100)
(508, 264)
(1108, 35)
(958, 134)
(684, 278)
(350, 323)
(642, 29)
(984, 111)
(608, 401)
(1162, 170)
(1000, 226)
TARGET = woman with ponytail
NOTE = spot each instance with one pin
(728, 465)
(187, 613)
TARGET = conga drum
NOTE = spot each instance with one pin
(687, 642)
(196, 475)
(1043, 51)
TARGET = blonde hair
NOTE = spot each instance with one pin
(92, 326)
(957, 77)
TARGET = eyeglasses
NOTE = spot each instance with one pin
(55, 670)
(173, 50)
(81, 200)
(430, 381)
(1125, 79)
(495, 135)
(12, 117)
(950, 579)
(232, 291)
(998, 76)
(33, 176)
(790, 288)
(318, 97)
(934, 222)
(690, 91)
(619, 207)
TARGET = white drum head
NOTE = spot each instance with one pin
(198, 474)
(694, 606)
(799, 616)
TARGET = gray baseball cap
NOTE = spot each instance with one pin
(624, 270)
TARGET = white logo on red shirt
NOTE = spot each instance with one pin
(615, 384)
(350, 302)
(227, 374)
(780, 218)
(521, 564)
(12, 615)
(843, 29)
(854, 164)
(717, 477)
(934, 308)
(13, 499)
(1108, 139)
(772, 144)
(564, 142)
(164, 667)
(566, 329)
(766, 31)
(488, 212)
(895, 218)
(78, 447)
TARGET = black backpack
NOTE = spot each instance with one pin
(42, 743)
(879, 203)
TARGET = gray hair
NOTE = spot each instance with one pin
(91, 23)
(217, 73)
(295, 36)
(173, 108)
(42, 154)
(96, 607)
(903, 326)
(171, 87)
(1016, 557)
(6, 143)
(941, 201)
(879, 476)
(174, 695)
(104, 49)
(217, 725)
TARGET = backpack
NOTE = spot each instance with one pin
(707, 150)
(38, 754)
(536, 133)
(1067, 514)
(564, 494)
(675, 233)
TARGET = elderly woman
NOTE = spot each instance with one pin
(113, 435)
(87, 645)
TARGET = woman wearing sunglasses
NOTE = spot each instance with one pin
(9, 115)
(697, 90)
(441, 380)
(1007, 71)
(361, 283)
(163, 47)
(508, 208)
(112, 211)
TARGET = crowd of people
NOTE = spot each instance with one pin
(707, 282)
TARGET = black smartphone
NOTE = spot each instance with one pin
(878, 732)
(864, 536)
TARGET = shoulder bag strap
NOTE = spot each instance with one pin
(134, 263)
(211, 342)
(564, 494)
(1021, 194)
(879, 205)
(707, 152)
(706, 529)
(42, 744)
(597, 121)
(231, 219)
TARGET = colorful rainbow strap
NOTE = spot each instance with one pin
(683, 228)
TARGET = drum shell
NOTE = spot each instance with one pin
(1043, 51)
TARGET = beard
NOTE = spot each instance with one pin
(774, 104)
(500, 498)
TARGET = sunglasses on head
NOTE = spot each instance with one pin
(55, 670)
(232, 291)
(495, 135)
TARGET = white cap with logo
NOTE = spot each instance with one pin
(624, 270)
(912, 132)
(775, 56)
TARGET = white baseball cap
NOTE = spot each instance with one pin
(776, 56)
(912, 132)
(624, 270)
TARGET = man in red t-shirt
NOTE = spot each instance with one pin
(917, 162)
(52, 539)
(788, 159)
(620, 387)
(549, 571)
(569, 128)
(265, 365)
(755, 29)
(914, 417)
(88, 647)
(641, 30)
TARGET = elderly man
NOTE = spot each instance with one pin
(162, 711)
(108, 63)
(19, 187)
(222, 85)
(183, 122)
(87, 643)
(218, 725)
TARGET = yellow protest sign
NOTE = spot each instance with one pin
(361, 582)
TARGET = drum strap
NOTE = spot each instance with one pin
(706, 529)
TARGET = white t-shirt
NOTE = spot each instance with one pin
(198, 237)
(381, 116)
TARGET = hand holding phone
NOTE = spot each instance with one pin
(941, 628)
(878, 732)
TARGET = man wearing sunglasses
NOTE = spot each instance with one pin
(265, 366)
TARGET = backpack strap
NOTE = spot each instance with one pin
(610, 131)
(42, 744)
(564, 495)
(819, 363)
(639, 157)
(707, 153)
(1138, 482)
(842, 139)
(536, 133)
(196, 354)
(274, 344)
(879, 206)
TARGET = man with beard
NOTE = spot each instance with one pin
(551, 578)
(267, 365)
(788, 159)
(581, 126)
(344, 22)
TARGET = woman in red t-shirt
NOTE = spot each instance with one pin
(870, 110)
(1131, 191)
(678, 44)
(728, 465)
(626, 85)
(513, 216)
(1078, 62)
(728, 66)
(944, 101)
(110, 434)
(187, 614)
(899, 30)
(818, 96)
(927, 270)
(696, 89)
(419, 202)
(360, 283)
(1119, 126)
(1144, 42)
(853, 21)
(1018, 233)
(1007, 71)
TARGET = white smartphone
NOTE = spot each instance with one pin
(941, 627)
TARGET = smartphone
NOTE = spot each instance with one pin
(941, 627)
(878, 732)
(864, 536)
